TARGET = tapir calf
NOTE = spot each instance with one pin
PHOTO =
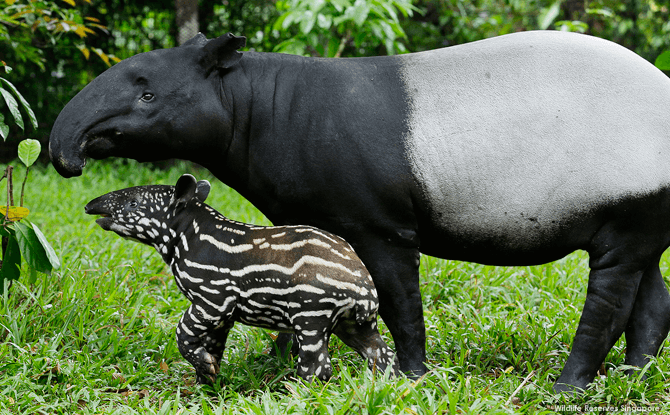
(515, 150)
(294, 279)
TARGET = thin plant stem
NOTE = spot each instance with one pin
(23, 186)
(10, 190)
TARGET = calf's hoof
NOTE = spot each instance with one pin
(206, 367)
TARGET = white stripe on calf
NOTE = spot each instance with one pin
(287, 305)
(266, 306)
(299, 244)
(312, 348)
(343, 285)
(318, 313)
(185, 275)
(184, 241)
(282, 291)
(187, 330)
(307, 259)
(318, 233)
(206, 315)
(219, 308)
(232, 249)
(205, 267)
(209, 290)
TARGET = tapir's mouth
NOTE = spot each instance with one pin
(101, 144)
(105, 222)
(105, 218)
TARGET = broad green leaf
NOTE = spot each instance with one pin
(324, 21)
(4, 128)
(548, 15)
(31, 248)
(663, 61)
(13, 106)
(362, 10)
(51, 254)
(32, 277)
(29, 150)
(11, 262)
(340, 4)
(26, 106)
(307, 22)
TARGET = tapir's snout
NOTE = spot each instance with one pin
(99, 207)
(66, 155)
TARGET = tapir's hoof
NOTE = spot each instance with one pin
(567, 389)
(206, 368)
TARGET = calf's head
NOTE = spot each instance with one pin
(145, 213)
(152, 106)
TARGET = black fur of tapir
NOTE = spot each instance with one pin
(515, 150)
(293, 279)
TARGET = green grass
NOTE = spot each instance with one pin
(97, 336)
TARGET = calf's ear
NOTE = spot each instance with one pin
(221, 53)
(184, 190)
(202, 190)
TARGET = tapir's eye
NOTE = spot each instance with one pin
(147, 97)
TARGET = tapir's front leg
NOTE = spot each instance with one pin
(201, 342)
(394, 266)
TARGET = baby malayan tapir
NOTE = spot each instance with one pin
(287, 278)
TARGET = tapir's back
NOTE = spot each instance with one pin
(513, 137)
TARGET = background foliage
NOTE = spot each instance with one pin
(52, 45)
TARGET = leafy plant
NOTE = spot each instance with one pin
(12, 98)
(326, 27)
(28, 26)
(21, 240)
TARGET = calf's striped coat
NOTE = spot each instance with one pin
(290, 278)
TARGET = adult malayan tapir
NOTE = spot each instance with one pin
(514, 150)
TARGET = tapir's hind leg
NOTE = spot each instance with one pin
(649, 322)
(621, 253)
(609, 301)
(366, 340)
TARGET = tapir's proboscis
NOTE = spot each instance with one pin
(515, 150)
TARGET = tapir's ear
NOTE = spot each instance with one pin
(202, 190)
(222, 52)
(185, 189)
(197, 40)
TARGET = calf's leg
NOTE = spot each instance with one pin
(366, 340)
(201, 342)
(313, 357)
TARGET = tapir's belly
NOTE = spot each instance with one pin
(516, 139)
